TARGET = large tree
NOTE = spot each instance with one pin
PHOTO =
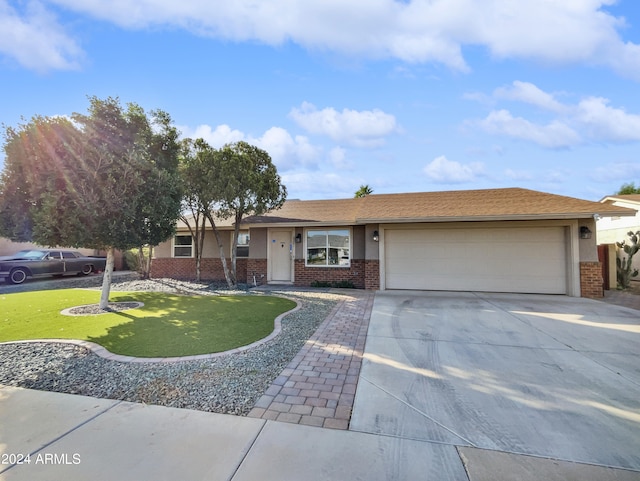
(246, 183)
(104, 180)
(230, 183)
(197, 160)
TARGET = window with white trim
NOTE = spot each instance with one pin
(183, 246)
(328, 248)
(242, 249)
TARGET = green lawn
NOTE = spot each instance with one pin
(168, 325)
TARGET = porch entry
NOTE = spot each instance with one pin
(280, 258)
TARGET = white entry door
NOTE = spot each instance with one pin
(280, 255)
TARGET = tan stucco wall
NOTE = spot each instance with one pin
(163, 249)
(587, 248)
(372, 248)
(8, 247)
(210, 248)
(358, 242)
(258, 243)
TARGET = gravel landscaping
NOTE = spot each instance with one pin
(227, 384)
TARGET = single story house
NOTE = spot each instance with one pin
(495, 240)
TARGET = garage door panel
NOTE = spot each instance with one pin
(527, 259)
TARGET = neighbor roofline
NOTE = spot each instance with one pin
(616, 198)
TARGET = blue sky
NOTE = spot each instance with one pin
(401, 95)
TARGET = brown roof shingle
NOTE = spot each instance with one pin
(489, 204)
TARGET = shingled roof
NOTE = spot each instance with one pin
(463, 205)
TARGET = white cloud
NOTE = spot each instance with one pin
(412, 31)
(555, 134)
(365, 128)
(445, 171)
(607, 123)
(590, 120)
(287, 152)
(529, 93)
(518, 174)
(221, 135)
(337, 156)
(618, 171)
(35, 40)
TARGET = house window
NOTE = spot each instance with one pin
(329, 248)
(183, 246)
(243, 244)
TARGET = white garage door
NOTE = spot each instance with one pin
(527, 259)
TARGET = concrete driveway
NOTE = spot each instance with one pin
(546, 376)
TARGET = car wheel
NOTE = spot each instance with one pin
(87, 269)
(18, 276)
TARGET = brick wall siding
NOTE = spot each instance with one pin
(304, 276)
(591, 280)
(372, 275)
(210, 268)
(257, 267)
(363, 274)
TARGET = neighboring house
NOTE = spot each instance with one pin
(614, 229)
(497, 240)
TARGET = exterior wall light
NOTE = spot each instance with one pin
(376, 237)
(298, 238)
(585, 232)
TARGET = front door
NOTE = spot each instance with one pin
(280, 255)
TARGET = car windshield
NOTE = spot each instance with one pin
(31, 254)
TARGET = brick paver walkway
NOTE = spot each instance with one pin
(318, 386)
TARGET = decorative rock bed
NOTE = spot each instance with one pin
(94, 309)
(227, 384)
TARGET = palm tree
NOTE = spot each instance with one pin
(363, 191)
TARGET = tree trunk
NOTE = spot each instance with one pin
(223, 258)
(106, 279)
(142, 265)
(234, 249)
(231, 282)
(199, 245)
(147, 265)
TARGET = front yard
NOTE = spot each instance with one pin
(167, 325)
(227, 384)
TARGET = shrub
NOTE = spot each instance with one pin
(624, 270)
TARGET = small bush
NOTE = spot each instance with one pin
(131, 261)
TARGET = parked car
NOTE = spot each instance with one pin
(47, 262)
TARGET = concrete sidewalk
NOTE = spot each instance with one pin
(78, 438)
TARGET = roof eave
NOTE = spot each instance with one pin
(306, 223)
(494, 218)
